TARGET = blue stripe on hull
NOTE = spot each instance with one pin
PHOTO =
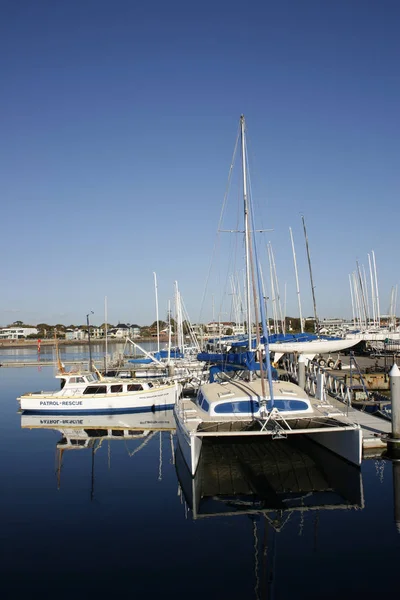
(108, 411)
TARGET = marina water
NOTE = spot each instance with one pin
(122, 516)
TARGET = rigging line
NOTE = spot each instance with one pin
(220, 221)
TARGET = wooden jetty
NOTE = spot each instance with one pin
(339, 394)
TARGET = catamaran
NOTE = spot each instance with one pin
(246, 401)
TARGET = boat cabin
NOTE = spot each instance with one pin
(244, 399)
(91, 383)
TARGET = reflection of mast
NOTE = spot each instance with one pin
(59, 466)
(92, 478)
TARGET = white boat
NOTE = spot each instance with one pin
(311, 349)
(239, 408)
(251, 404)
(89, 392)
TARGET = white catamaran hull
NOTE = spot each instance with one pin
(190, 446)
(160, 398)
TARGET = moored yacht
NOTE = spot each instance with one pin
(240, 408)
(82, 391)
(251, 403)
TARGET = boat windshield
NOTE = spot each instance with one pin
(91, 377)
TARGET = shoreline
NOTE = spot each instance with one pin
(51, 342)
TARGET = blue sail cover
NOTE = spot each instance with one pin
(232, 361)
(174, 353)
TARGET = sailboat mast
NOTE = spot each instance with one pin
(378, 310)
(352, 301)
(106, 334)
(311, 278)
(169, 332)
(158, 324)
(372, 291)
(297, 281)
(246, 229)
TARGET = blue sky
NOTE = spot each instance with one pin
(118, 123)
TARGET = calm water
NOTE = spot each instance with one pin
(121, 516)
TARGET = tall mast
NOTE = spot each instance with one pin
(246, 229)
(311, 279)
(362, 296)
(352, 302)
(297, 281)
(378, 310)
(105, 333)
(366, 296)
(372, 290)
(158, 324)
(169, 332)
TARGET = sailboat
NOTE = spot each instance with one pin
(249, 402)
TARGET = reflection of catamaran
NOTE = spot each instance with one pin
(260, 476)
(274, 486)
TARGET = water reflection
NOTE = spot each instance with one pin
(266, 476)
(93, 430)
(275, 484)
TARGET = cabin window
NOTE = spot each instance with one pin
(202, 402)
(116, 389)
(134, 387)
(95, 389)
(288, 405)
(72, 380)
(80, 380)
(240, 406)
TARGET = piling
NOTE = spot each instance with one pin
(302, 371)
(393, 439)
(394, 376)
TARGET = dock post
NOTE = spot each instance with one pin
(393, 438)
(394, 376)
(302, 371)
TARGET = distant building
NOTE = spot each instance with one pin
(76, 334)
(17, 333)
(121, 331)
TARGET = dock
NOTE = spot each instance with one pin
(372, 427)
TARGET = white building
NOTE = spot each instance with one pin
(17, 333)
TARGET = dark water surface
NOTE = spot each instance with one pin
(121, 517)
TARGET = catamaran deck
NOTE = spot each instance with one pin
(372, 427)
(322, 419)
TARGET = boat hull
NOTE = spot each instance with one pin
(162, 398)
(190, 446)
